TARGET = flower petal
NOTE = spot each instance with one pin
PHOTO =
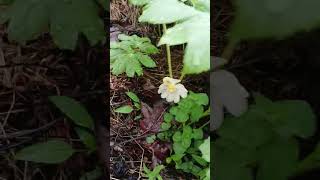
(176, 99)
(164, 94)
(162, 88)
(182, 90)
(170, 97)
(175, 81)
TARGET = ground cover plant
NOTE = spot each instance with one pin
(259, 138)
(172, 123)
(52, 75)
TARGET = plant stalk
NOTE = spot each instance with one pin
(229, 49)
(168, 53)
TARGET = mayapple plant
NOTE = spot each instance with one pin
(189, 24)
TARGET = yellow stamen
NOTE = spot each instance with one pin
(171, 87)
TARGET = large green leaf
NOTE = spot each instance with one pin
(74, 110)
(65, 19)
(192, 27)
(230, 161)
(289, 117)
(277, 160)
(273, 18)
(28, 19)
(250, 129)
(70, 18)
(166, 11)
(50, 152)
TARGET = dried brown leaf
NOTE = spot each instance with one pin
(152, 117)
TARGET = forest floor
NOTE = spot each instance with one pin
(28, 75)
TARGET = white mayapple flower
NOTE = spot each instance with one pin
(171, 90)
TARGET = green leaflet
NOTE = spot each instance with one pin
(64, 19)
(133, 97)
(273, 18)
(87, 138)
(190, 107)
(51, 152)
(74, 110)
(192, 27)
(130, 54)
(124, 109)
(205, 149)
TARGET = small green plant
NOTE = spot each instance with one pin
(179, 127)
(130, 54)
(155, 173)
(126, 109)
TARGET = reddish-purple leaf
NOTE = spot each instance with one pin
(152, 117)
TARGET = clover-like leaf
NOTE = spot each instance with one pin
(197, 133)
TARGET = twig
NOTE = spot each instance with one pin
(27, 132)
(136, 138)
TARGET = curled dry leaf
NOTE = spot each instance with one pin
(152, 117)
(226, 92)
(161, 150)
(114, 32)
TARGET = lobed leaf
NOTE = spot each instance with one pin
(65, 19)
